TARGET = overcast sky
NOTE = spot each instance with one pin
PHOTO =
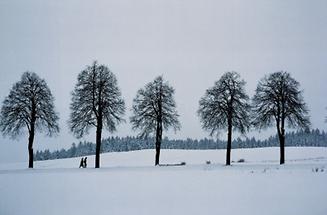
(191, 43)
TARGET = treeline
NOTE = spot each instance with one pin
(123, 144)
(97, 102)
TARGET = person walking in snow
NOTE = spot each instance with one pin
(81, 164)
(85, 162)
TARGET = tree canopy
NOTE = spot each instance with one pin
(97, 103)
(29, 106)
(226, 105)
(154, 110)
(278, 100)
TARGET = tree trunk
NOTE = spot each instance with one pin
(157, 155)
(229, 143)
(159, 128)
(99, 130)
(30, 148)
(282, 133)
(282, 146)
(98, 146)
(31, 135)
(158, 142)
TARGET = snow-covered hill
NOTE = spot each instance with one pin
(128, 183)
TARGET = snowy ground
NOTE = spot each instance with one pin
(128, 183)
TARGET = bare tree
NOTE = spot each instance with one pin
(154, 110)
(225, 105)
(96, 102)
(277, 100)
(29, 105)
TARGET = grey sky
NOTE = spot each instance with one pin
(191, 43)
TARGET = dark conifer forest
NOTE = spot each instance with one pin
(299, 138)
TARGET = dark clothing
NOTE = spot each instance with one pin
(85, 162)
(81, 164)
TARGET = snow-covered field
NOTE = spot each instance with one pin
(128, 183)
